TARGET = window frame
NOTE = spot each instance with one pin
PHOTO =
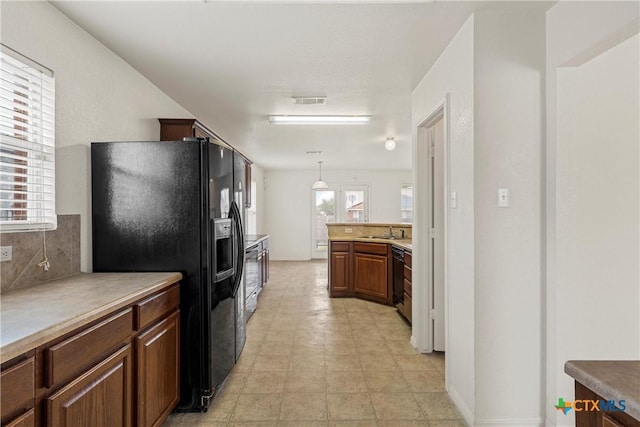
(27, 144)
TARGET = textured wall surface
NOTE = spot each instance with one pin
(63, 251)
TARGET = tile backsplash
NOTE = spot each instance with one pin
(63, 250)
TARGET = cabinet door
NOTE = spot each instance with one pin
(25, 420)
(101, 397)
(370, 277)
(176, 129)
(339, 271)
(158, 381)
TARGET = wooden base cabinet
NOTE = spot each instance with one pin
(362, 270)
(120, 370)
(99, 398)
(370, 277)
(340, 270)
(158, 373)
(18, 376)
(600, 418)
(408, 292)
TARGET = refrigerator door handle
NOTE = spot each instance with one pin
(239, 238)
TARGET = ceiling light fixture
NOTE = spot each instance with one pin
(320, 184)
(319, 120)
(390, 145)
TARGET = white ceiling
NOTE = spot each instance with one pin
(234, 63)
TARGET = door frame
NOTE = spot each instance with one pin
(315, 254)
(422, 337)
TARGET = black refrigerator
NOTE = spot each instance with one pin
(176, 206)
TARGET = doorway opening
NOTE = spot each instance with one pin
(433, 209)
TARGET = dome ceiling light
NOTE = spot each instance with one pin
(390, 144)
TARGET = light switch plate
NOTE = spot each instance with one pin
(454, 200)
(6, 253)
(503, 197)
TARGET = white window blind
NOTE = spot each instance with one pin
(27, 144)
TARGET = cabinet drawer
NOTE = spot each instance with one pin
(18, 388)
(407, 273)
(407, 258)
(407, 287)
(370, 248)
(156, 307)
(340, 246)
(408, 309)
(73, 354)
(27, 419)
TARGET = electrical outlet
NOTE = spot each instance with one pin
(348, 230)
(6, 253)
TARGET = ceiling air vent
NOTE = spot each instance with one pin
(309, 100)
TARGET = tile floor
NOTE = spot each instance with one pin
(310, 360)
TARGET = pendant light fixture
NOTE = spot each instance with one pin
(320, 184)
(390, 144)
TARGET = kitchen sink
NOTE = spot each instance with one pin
(380, 237)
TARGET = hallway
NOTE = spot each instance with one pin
(314, 361)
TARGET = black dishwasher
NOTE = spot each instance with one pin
(398, 278)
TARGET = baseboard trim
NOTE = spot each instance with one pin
(510, 422)
(461, 405)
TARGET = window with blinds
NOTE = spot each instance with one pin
(27, 144)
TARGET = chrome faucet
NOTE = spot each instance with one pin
(390, 231)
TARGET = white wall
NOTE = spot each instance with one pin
(452, 74)
(288, 198)
(98, 98)
(508, 142)
(593, 212)
(493, 72)
(257, 173)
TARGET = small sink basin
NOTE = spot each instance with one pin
(381, 237)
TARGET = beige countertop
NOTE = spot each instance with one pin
(33, 316)
(610, 379)
(401, 243)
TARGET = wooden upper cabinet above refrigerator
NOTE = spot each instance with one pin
(177, 129)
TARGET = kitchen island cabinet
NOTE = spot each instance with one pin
(372, 272)
(613, 384)
(361, 269)
(104, 353)
(340, 269)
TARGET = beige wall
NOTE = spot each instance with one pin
(592, 239)
(99, 97)
(288, 196)
(451, 76)
(509, 58)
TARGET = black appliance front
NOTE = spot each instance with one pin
(253, 279)
(152, 208)
(226, 320)
(239, 186)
